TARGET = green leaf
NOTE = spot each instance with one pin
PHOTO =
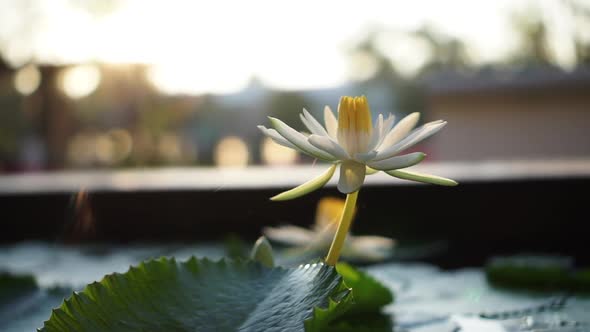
(307, 187)
(420, 177)
(529, 272)
(201, 295)
(537, 273)
(340, 304)
(369, 294)
(13, 286)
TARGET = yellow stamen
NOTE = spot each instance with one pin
(342, 231)
(354, 114)
(354, 124)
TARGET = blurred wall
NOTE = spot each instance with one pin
(490, 121)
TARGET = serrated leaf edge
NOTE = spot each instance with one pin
(64, 318)
(320, 317)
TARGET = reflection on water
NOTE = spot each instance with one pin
(427, 299)
(546, 322)
(80, 223)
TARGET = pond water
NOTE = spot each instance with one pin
(427, 298)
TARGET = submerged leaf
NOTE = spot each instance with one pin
(537, 272)
(201, 295)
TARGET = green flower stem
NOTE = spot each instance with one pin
(342, 231)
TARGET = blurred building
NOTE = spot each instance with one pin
(534, 113)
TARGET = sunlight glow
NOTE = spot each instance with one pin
(363, 66)
(218, 47)
(413, 53)
(197, 78)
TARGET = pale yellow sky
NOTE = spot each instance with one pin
(218, 46)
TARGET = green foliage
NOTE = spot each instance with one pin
(581, 280)
(12, 286)
(538, 273)
(287, 107)
(235, 246)
(163, 295)
(13, 126)
(369, 295)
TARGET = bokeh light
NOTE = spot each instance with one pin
(231, 151)
(122, 144)
(275, 154)
(170, 148)
(80, 81)
(27, 79)
(110, 148)
(81, 150)
(104, 149)
(363, 66)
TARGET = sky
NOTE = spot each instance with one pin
(219, 46)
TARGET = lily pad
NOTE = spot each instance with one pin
(13, 286)
(537, 273)
(202, 295)
(368, 293)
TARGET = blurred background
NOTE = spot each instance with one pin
(132, 120)
(125, 84)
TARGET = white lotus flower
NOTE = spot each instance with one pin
(358, 147)
(306, 242)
